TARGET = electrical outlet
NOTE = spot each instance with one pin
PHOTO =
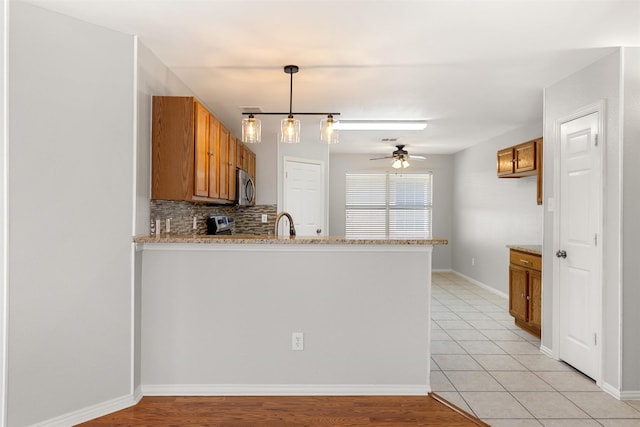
(297, 341)
(473, 261)
(264, 218)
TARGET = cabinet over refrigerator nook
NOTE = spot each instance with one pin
(522, 160)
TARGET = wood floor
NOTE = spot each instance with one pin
(289, 411)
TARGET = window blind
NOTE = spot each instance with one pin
(388, 205)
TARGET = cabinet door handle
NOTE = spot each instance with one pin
(210, 153)
(524, 261)
(528, 298)
(522, 295)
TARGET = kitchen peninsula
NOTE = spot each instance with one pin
(219, 314)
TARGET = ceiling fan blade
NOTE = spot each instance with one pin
(412, 157)
(382, 158)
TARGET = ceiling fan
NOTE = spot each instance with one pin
(400, 157)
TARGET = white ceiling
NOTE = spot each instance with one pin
(473, 69)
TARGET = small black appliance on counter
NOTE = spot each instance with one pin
(219, 224)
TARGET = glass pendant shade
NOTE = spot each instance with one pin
(290, 130)
(328, 133)
(405, 164)
(251, 130)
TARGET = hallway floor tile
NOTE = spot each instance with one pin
(491, 368)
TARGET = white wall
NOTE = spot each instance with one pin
(615, 80)
(365, 332)
(4, 28)
(599, 81)
(630, 226)
(153, 79)
(71, 195)
(442, 168)
(266, 170)
(490, 213)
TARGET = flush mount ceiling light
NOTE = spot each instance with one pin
(289, 127)
(381, 125)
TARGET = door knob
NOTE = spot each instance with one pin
(561, 254)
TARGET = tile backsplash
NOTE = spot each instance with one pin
(247, 219)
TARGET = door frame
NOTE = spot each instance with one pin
(600, 108)
(285, 161)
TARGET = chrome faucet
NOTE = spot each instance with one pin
(292, 229)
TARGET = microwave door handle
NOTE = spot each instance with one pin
(249, 191)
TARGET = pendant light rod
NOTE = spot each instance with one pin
(291, 69)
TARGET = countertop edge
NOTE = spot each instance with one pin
(530, 249)
(270, 240)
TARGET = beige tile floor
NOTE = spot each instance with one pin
(486, 365)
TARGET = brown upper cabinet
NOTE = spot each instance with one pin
(227, 162)
(522, 160)
(193, 154)
(246, 159)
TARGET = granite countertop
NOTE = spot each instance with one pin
(530, 249)
(251, 239)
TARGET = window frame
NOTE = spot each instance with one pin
(389, 206)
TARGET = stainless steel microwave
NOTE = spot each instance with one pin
(246, 189)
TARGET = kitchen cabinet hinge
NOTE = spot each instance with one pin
(595, 339)
(595, 239)
(595, 140)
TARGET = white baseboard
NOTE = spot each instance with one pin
(441, 270)
(608, 388)
(482, 285)
(89, 413)
(137, 394)
(547, 351)
(620, 395)
(284, 390)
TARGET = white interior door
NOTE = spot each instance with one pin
(304, 196)
(580, 264)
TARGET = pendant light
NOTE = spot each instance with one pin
(328, 132)
(289, 127)
(251, 130)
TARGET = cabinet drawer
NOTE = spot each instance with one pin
(524, 259)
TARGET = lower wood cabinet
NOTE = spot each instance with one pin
(525, 290)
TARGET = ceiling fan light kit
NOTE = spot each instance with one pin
(400, 158)
(400, 163)
(289, 127)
